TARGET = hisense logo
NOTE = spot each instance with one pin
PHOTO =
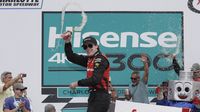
(111, 39)
(20, 4)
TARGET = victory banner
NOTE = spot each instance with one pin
(122, 37)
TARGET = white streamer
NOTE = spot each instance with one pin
(174, 52)
(84, 17)
(76, 28)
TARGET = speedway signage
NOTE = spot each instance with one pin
(21, 4)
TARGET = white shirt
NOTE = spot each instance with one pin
(4, 94)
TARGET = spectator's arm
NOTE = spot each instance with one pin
(11, 82)
(1, 88)
(146, 69)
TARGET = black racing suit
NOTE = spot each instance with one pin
(97, 78)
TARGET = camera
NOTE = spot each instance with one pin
(23, 75)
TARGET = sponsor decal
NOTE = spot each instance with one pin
(194, 5)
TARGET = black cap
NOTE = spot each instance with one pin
(90, 39)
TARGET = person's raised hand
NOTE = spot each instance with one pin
(67, 36)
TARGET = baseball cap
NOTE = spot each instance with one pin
(195, 67)
(90, 39)
(19, 86)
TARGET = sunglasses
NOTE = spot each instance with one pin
(133, 78)
(87, 46)
(20, 89)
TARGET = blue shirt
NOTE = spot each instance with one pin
(12, 102)
(181, 104)
(139, 92)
